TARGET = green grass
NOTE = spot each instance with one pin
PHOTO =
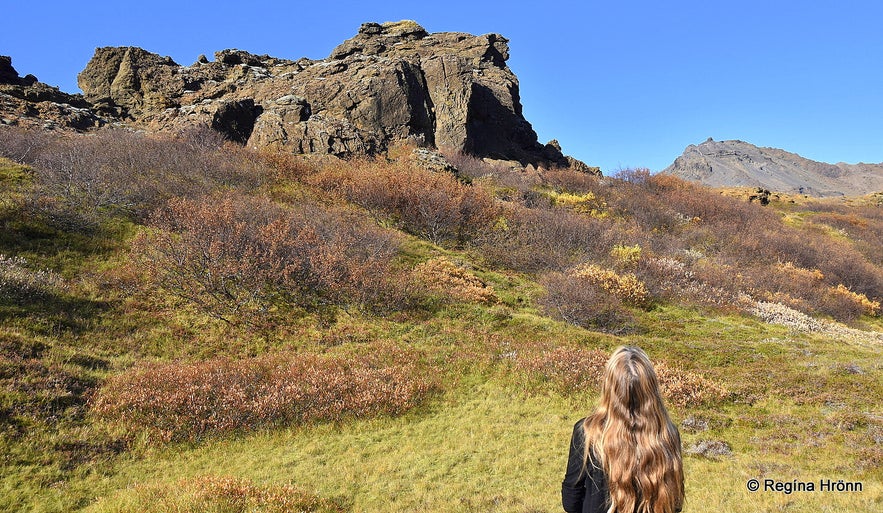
(490, 443)
(488, 448)
(801, 406)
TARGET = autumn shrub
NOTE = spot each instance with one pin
(676, 280)
(22, 145)
(685, 388)
(443, 276)
(541, 239)
(626, 256)
(583, 303)
(432, 205)
(188, 401)
(220, 494)
(627, 287)
(567, 369)
(570, 370)
(860, 301)
(470, 166)
(19, 281)
(512, 182)
(570, 180)
(284, 165)
(863, 225)
(585, 203)
(237, 257)
(80, 179)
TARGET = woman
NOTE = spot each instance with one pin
(626, 456)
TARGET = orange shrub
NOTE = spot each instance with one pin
(178, 401)
(444, 276)
(432, 205)
(568, 369)
(572, 370)
(861, 301)
(685, 388)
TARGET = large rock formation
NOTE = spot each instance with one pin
(28, 102)
(391, 82)
(740, 164)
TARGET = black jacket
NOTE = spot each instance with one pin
(584, 490)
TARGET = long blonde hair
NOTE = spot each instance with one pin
(633, 438)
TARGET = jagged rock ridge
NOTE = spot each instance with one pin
(391, 82)
(740, 164)
(27, 101)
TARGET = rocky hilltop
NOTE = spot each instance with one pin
(740, 164)
(390, 82)
(29, 102)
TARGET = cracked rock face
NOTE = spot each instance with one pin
(25, 101)
(391, 82)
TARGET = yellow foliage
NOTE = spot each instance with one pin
(868, 306)
(626, 287)
(626, 255)
(443, 275)
(800, 272)
(586, 203)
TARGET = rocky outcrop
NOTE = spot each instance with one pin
(740, 164)
(391, 82)
(129, 82)
(26, 101)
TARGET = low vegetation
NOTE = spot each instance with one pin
(188, 325)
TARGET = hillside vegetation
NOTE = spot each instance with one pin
(187, 325)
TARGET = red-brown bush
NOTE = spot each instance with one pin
(238, 257)
(432, 205)
(571, 370)
(567, 369)
(583, 303)
(535, 240)
(178, 401)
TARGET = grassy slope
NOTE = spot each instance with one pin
(492, 441)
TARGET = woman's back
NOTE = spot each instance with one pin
(626, 456)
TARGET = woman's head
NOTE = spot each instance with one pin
(630, 391)
(633, 437)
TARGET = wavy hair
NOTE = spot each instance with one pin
(633, 438)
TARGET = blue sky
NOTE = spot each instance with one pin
(618, 83)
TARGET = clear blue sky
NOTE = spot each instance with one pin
(619, 83)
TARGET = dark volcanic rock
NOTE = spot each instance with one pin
(390, 82)
(131, 81)
(29, 102)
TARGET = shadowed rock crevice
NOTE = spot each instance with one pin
(236, 119)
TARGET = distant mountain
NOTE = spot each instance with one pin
(740, 164)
